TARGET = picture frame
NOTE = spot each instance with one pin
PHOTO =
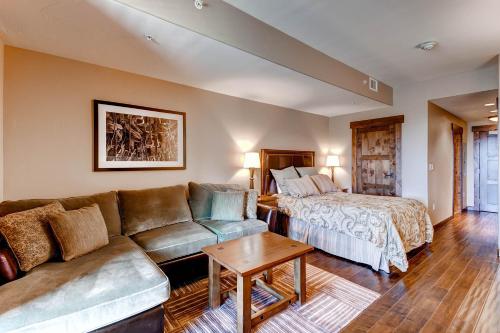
(137, 138)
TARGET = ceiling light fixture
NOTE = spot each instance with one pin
(493, 118)
(198, 4)
(489, 104)
(427, 46)
(494, 111)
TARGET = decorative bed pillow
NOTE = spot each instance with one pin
(251, 198)
(80, 231)
(301, 187)
(309, 171)
(281, 175)
(153, 208)
(324, 184)
(228, 206)
(29, 236)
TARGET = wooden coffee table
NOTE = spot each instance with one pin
(251, 255)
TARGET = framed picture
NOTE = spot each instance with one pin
(131, 137)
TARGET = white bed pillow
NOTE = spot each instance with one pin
(281, 175)
(324, 184)
(310, 171)
(301, 187)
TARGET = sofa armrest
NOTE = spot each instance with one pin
(8, 265)
(267, 214)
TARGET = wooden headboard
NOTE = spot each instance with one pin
(280, 159)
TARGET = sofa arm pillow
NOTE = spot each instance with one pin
(228, 206)
(153, 208)
(80, 231)
(29, 236)
(8, 265)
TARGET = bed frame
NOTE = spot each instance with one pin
(280, 159)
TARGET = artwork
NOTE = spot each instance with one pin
(130, 137)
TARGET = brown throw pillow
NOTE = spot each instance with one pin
(80, 231)
(29, 236)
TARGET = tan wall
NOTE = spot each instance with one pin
(440, 154)
(48, 130)
(2, 49)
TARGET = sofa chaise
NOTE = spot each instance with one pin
(122, 286)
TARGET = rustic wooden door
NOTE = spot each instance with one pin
(488, 172)
(376, 149)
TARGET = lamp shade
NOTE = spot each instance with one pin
(252, 160)
(332, 161)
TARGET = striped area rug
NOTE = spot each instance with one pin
(332, 302)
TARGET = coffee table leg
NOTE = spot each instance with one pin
(244, 299)
(213, 283)
(300, 278)
(268, 275)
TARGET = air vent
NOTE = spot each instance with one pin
(373, 84)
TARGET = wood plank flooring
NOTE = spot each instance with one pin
(452, 285)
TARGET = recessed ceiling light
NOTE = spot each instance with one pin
(493, 118)
(198, 4)
(489, 104)
(427, 46)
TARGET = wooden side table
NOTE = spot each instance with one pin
(251, 255)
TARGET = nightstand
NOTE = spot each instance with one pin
(268, 200)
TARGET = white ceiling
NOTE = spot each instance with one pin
(470, 107)
(108, 33)
(378, 37)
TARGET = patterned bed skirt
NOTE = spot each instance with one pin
(338, 244)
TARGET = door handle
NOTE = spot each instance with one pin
(388, 174)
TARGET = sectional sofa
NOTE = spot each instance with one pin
(119, 287)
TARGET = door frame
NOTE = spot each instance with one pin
(370, 123)
(457, 181)
(476, 134)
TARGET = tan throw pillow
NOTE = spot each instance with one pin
(301, 187)
(29, 236)
(80, 231)
(324, 184)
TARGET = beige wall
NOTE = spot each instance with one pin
(411, 101)
(440, 155)
(48, 130)
(2, 49)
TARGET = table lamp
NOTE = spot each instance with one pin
(251, 162)
(333, 161)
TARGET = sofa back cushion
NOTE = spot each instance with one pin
(201, 196)
(143, 210)
(79, 231)
(108, 204)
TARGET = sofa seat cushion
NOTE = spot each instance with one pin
(174, 241)
(115, 282)
(228, 230)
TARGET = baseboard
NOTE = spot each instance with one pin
(443, 222)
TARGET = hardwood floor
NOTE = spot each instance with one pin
(451, 285)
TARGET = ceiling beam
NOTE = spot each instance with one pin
(220, 21)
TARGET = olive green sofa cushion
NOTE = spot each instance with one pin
(174, 241)
(201, 195)
(228, 230)
(147, 209)
(108, 204)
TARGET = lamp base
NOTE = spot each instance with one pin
(252, 172)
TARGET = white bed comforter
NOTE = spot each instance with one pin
(395, 225)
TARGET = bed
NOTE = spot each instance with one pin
(375, 230)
